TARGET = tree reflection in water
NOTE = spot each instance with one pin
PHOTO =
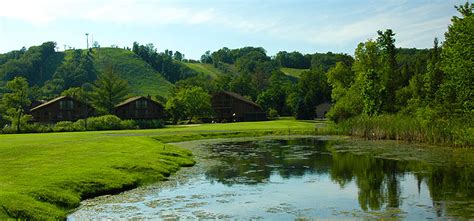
(378, 180)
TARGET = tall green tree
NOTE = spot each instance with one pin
(313, 90)
(108, 90)
(433, 76)
(77, 93)
(457, 63)
(390, 75)
(275, 95)
(340, 78)
(369, 76)
(77, 71)
(189, 103)
(16, 102)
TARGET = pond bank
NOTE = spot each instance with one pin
(238, 181)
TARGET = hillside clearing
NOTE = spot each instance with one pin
(141, 77)
(294, 72)
(207, 69)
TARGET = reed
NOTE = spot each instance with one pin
(451, 132)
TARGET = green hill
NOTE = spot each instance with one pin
(141, 77)
(293, 71)
(207, 69)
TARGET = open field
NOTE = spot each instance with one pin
(294, 72)
(44, 176)
(207, 69)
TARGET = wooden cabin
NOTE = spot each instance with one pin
(62, 108)
(229, 107)
(140, 108)
(322, 109)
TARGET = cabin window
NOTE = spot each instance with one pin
(66, 105)
(141, 104)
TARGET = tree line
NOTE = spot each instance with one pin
(379, 79)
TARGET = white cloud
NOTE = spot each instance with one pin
(315, 26)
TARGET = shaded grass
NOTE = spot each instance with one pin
(294, 72)
(44, 176)
(207, 69)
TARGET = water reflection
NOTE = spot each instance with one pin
(303, 179)
(378, 180)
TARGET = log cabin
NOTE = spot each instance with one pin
(62, 108)
(322, 109)
(140, 108)
(230, 107)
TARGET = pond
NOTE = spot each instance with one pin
(299, 178)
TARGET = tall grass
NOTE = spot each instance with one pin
(399, 127)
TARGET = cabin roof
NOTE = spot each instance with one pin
(48, 102)
(240, 97)
(132, 99)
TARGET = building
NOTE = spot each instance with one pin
(62, 108)
(139, 108)
(322, 109)
(229, 107)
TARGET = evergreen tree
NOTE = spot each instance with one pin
(108, 90)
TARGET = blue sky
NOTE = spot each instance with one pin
(192, 27)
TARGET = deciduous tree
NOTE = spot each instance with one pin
(16, 102)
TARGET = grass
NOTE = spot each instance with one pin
(139, 74)
(398, 127)
(294, 72)
(44, 176)
(207, 69)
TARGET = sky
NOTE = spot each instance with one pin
(193, 27)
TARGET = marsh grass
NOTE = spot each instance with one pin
(397, 127)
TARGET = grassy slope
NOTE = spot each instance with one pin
(46, 175)
(293, 71)
(207, 69)
(142, 78)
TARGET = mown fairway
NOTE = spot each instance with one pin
(43, 176)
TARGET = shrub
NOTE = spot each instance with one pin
(37, 128)
(149, 124)
(80, 125)
(106, 122)
(272, 114)
(63, 126)
(128, 124)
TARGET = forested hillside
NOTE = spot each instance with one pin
(426, 91)
(49, 72)
(289, 83)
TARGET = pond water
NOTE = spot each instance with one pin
(301, 178)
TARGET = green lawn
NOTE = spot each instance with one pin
(207, 69)
(293, 71)
(44, 176)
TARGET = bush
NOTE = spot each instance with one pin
(128, 124)
(63, 126)
(37, 128)
(106, 122)
(272, 114)
(149, 124)
(80, 125)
